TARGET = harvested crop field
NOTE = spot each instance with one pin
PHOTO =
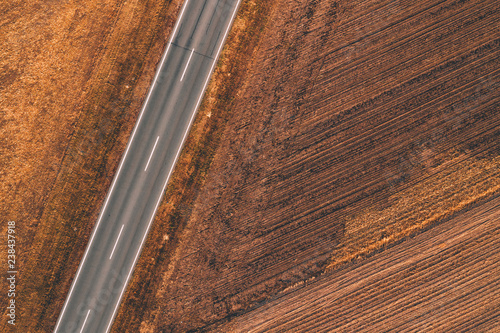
(443, 280)
(73, 75)
(356, 125)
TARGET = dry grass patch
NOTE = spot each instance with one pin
(73, 75)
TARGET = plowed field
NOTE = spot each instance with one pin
(443, 280)
(358, 124)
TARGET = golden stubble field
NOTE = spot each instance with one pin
(73, 75)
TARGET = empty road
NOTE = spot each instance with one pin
(143, 173)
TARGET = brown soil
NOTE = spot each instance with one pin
(73, 76)
(444, 280)
(356, 125)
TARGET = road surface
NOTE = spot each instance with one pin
(146, 165)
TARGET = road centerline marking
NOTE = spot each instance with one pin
(85, 321)
(108, 196)
(187, 64)
(154, 147)
(175, 161)
(116, 242)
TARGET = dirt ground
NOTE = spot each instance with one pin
(356, 126)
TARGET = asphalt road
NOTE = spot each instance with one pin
(146, 165)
